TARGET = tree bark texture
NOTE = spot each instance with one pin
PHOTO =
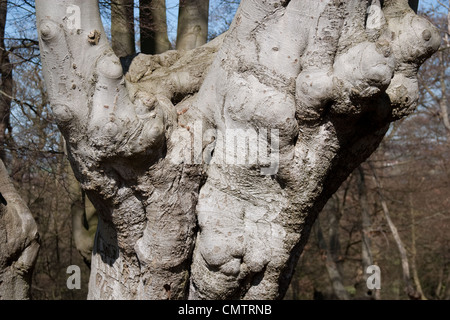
(313, 83)
(192, 30)
(19, 242)
(84, 216)
(153, 26)
(122, 27)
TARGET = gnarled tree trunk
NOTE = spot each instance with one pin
(208, 167)
(19, 239)
(19, 242)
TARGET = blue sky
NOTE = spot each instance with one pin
(24, 18)
(21, 21)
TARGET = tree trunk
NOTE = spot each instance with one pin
(366, 243)
(415, 273)
(333, 232)
(19, 239)
(153, 26)
(438, 290)
(443, 100)
(6, 85)
(333, 271)
(192, 30)
(19, 242)
(208, 167)
(122, 27)
(84, 216)
(447, 288)
(410, 290)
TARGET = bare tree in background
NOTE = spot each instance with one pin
(192, 30)
(153, 26)
(19, 239)
(6, 86)
(122, 27)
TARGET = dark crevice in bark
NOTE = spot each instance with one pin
(126, 62)
(108, 251)
(178, 97)
(285, 3)
(414, 4)
(3, 200)
(189, 264)
(251, 280)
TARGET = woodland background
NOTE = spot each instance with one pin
(395, 208)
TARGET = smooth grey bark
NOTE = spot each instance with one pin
(153, 26)
(192, 29)
(122, 27)
(176, 218)
(84, 216)
(19, 242)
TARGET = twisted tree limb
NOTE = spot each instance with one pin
(19, 242)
